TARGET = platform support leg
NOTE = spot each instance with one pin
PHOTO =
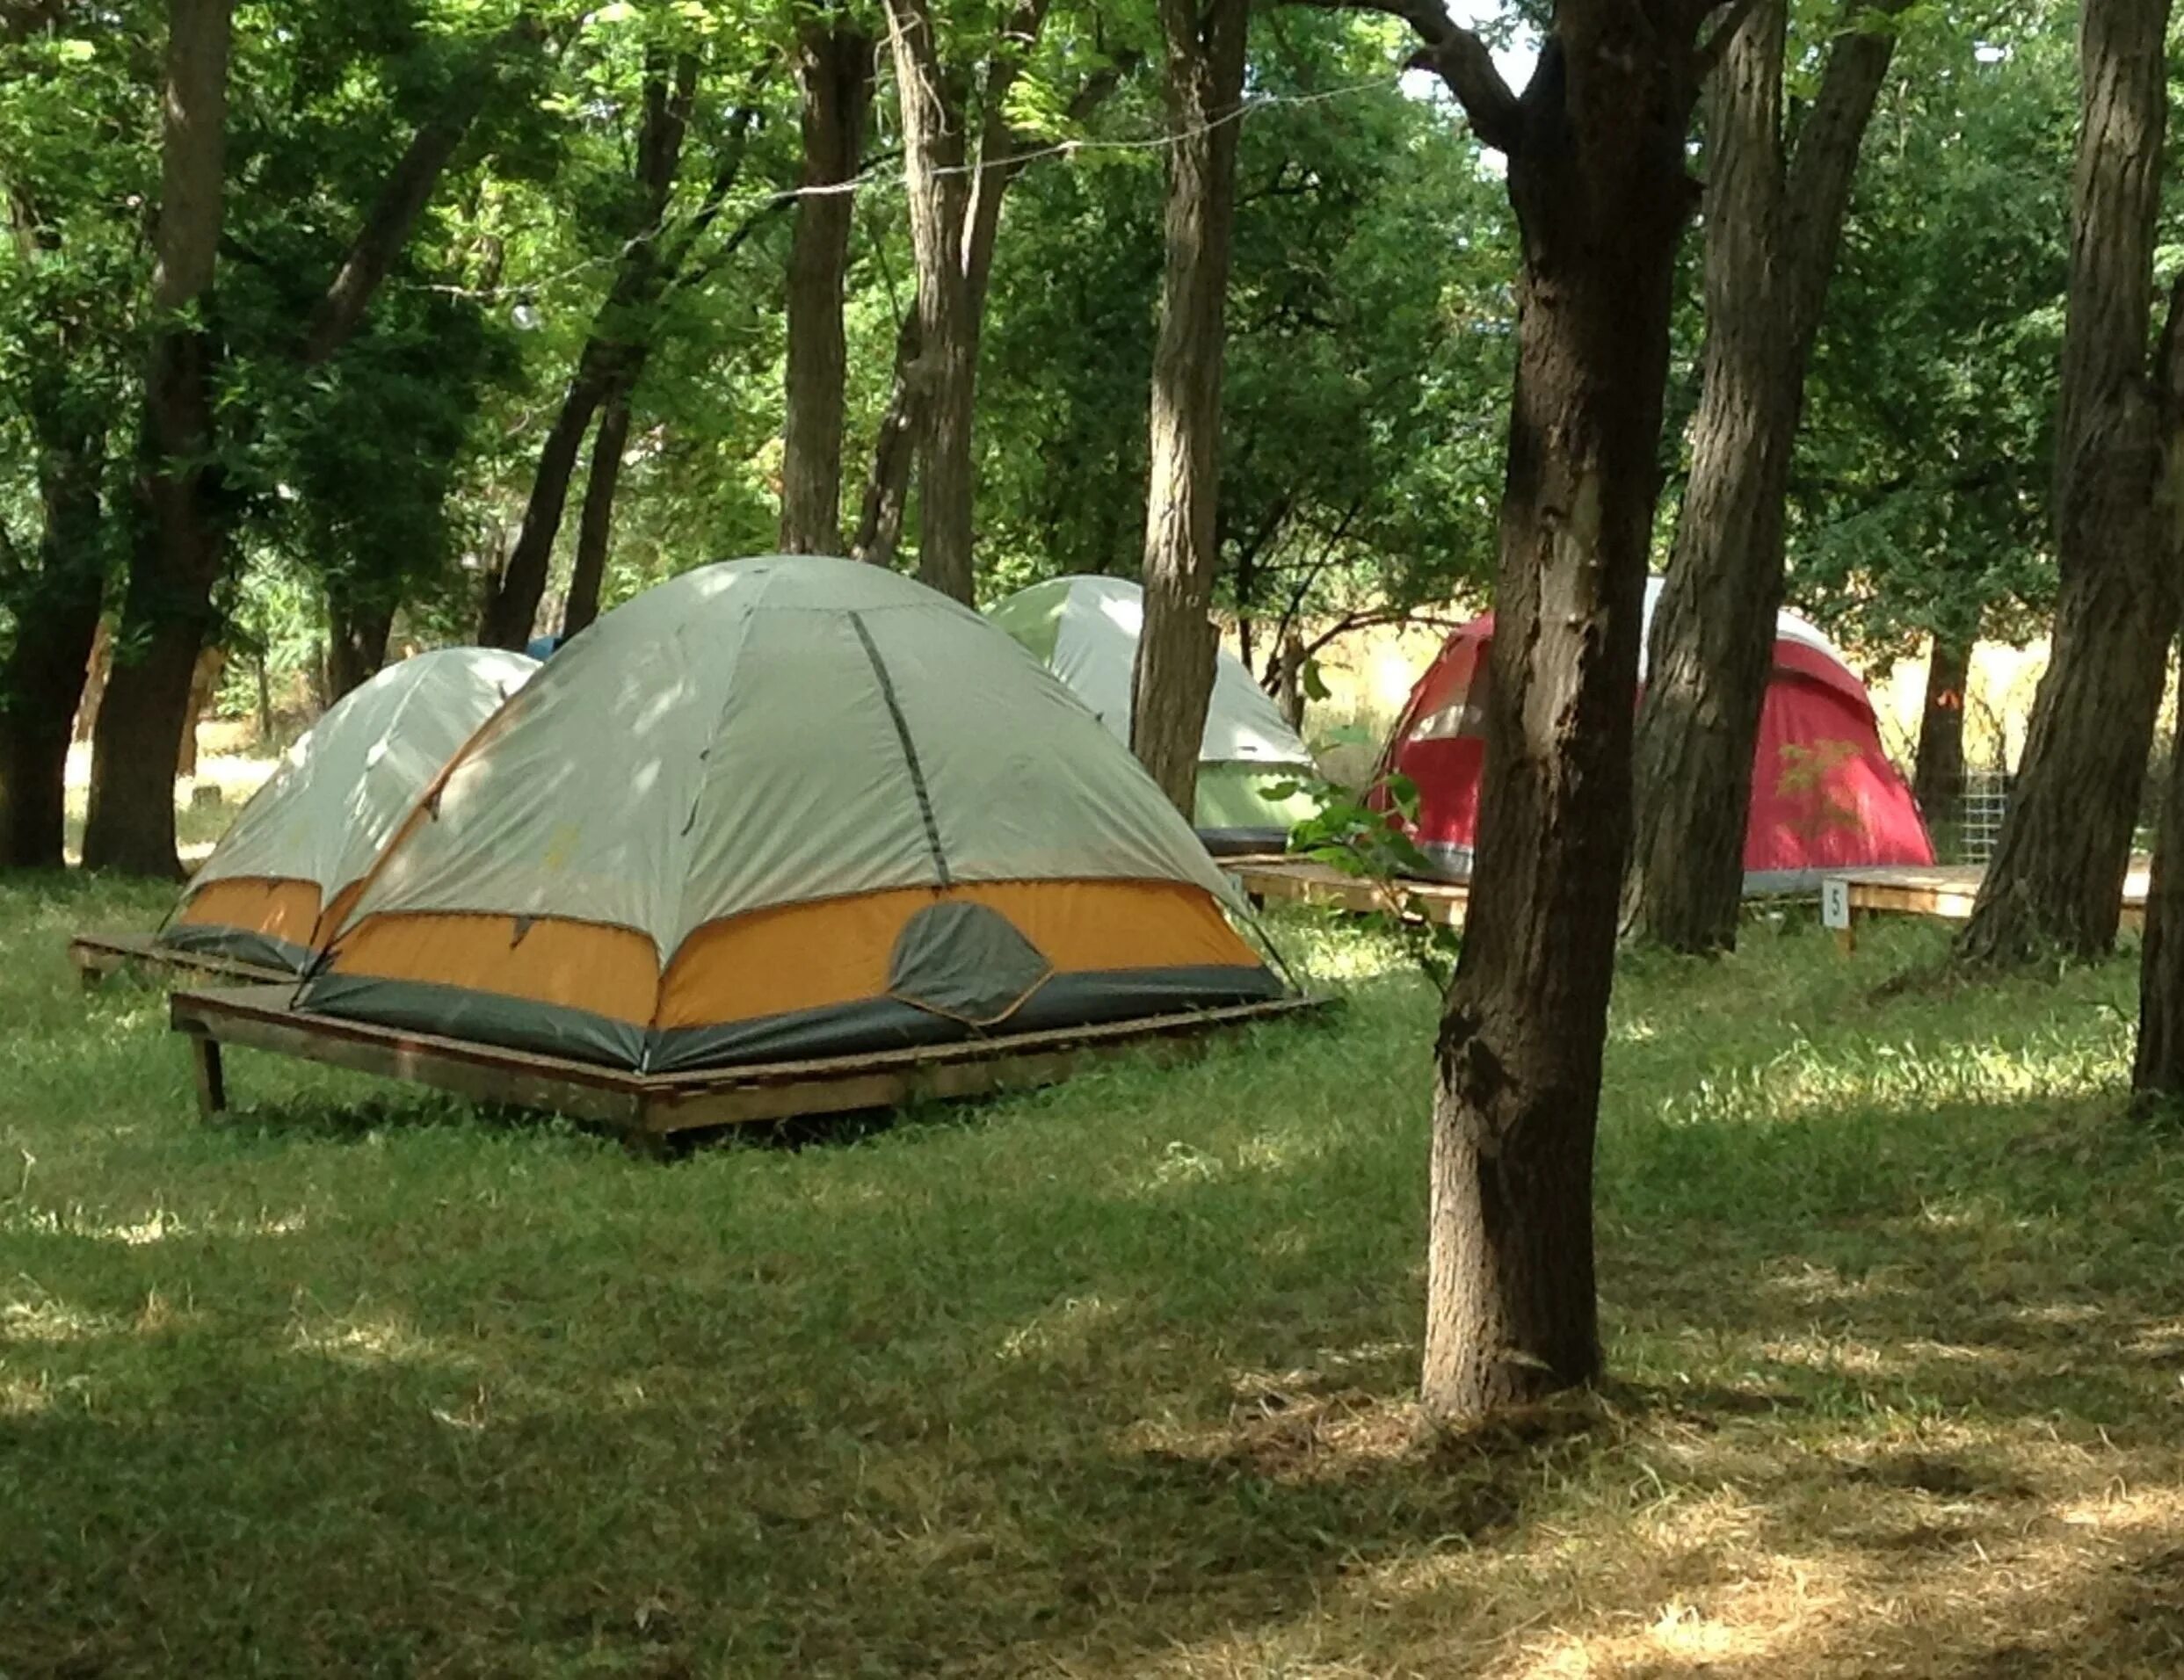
(211, 1079)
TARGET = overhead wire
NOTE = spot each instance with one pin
(880, 177)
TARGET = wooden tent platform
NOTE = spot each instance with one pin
(97, 955)
(1946, 891)
(649, 1106)
(1301, 881)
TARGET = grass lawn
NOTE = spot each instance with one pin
(1112, 1379)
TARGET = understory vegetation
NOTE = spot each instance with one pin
(1115, 1379)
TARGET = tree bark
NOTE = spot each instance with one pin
(56, 622)
(887, 487)
(2157, 1065)
(2056, 881)
(511, 602)
(167, 606)
(1173, 678)
(1596, 175)
(94, 685)
(204, 686)
(1772, 233)
(1937, 779)
(835, 73)
(935, 147)
(595, 525)
(356, 645)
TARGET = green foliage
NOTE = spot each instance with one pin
(1368, 313)
(1366, 833)
(1920, 500)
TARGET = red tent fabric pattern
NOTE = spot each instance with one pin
(1824, 795)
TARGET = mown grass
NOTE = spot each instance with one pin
(1112, 1379)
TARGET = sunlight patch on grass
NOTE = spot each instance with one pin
(48, 1322)
(1063, 1331)
(370, 1340)
(160, 1225)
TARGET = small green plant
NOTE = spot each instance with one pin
(1366, 833)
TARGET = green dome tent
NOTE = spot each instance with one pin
(783, 808)
(1085, 630)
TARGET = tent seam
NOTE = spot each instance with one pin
(910, 748)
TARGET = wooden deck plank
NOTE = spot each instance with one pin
(261, 1018)
(1945, 892)
(1302, 881)
(97, 955)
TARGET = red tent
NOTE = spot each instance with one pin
(1824, 795)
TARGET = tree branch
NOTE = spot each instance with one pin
(1459, 57)
(386, 228)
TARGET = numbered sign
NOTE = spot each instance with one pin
(1835, 904)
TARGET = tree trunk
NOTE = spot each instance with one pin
(1173, 678)
(356, 645)
(1771, 240)
(617, 331)
(167, 608)
(935, 147)
(204, 684)
(2157, 1069)
(511, 602)
(1000, 161)
(835, 72)
(168, 604)
(2057, 878)
(94, 685)
(887, 487)
(595, 526)
(1596, 175)
(42, 683)
(1937, 779)
(264, 701)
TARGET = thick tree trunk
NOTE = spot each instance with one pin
(936, 148)
(1771, 240)
(595, 526)
(1596, 175)
(1937, 779)
(2057, 878)
(835, 72)
(607, 360)
(42, 683)
(1204, 42)
(167, 607)
(2157, 1069)
(356, 645)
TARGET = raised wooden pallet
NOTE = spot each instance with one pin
(1301, 881)
(97, 955)
(653, 1106)
(1945, 891)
